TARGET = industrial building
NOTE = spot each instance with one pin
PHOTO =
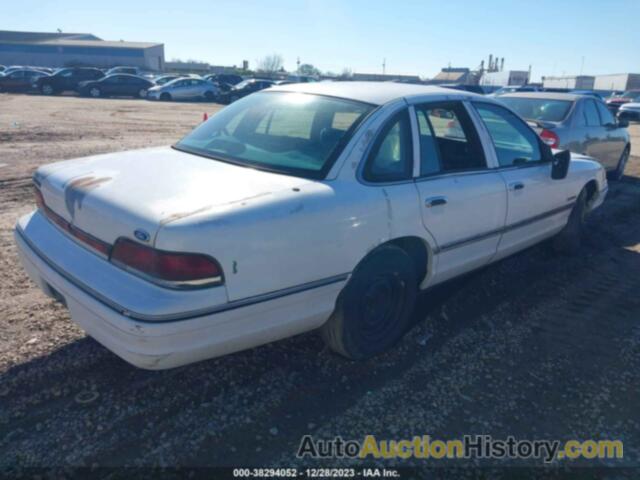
(462, 76)
(504, 78)
(76, 49)
(618, 81)
(576, 82)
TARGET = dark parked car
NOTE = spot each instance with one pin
(19, 80)
(66, 80)
(225, 81)
(244, 88)
(116, 85)
(579, 123)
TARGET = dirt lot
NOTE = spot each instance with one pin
(536, 346)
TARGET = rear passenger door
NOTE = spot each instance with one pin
(463, 202)
(537, 205)
(595, 141)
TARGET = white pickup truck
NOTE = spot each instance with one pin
(319, 205)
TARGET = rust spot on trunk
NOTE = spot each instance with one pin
(76, 190)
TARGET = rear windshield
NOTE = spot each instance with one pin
(542, 109)
(285, 132)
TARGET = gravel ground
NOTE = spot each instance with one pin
(536, 346)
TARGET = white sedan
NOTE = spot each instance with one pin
(319, 205)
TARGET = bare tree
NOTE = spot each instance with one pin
(308, 69)
(270, 64)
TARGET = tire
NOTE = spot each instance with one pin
(569, 240)
(209, 96)
(618, 173)
(142, 93)
(165, 97)
(47, 89)
(374, 309)
(95, 92)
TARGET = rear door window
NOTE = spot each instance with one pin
(448, 139)
(591, 117)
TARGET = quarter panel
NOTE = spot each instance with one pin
(292, 238)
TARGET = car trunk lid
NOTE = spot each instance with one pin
(114, 195)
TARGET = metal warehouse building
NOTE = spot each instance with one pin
(76, 49)
(620, 81)
(577, 82)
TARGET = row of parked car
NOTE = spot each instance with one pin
(131, 82)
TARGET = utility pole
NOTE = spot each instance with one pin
(384, 66)
(298, 65)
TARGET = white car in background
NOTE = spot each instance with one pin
(185, 89)
(629, 111)
(317, 205)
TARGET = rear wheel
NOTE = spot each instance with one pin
(95, 92)
(618, 173)
(374, 309)
(569, 240)
(165, 97)
(47, 89)
(142, 93)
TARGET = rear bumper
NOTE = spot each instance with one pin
(166, 344)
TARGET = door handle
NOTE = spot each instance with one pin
(516, 186)
(435, 201)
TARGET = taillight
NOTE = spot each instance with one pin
(39, 198)
(84, 237)
(90, 240)
(172, 269)
(550, 138)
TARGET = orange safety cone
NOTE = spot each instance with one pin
(205, 117)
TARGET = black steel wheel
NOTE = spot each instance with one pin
(374, 310)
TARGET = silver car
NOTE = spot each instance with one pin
(579, 123)
(184, 89)
(630, 111)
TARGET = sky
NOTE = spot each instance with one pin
(419, 37)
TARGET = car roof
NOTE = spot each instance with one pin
(376, 93)
(572, 97)
(128, 75)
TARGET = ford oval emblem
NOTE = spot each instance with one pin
(141, 235)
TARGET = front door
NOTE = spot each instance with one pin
(463, 201)
(615, 137)
(537, 206)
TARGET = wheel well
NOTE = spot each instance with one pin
(591, 187)
(417, 250)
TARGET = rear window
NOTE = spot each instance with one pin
(542, 109)
(285, 132)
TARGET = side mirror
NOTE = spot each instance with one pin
(560, 165)
(623, 122)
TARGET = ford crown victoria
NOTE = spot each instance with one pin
(312, 206)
